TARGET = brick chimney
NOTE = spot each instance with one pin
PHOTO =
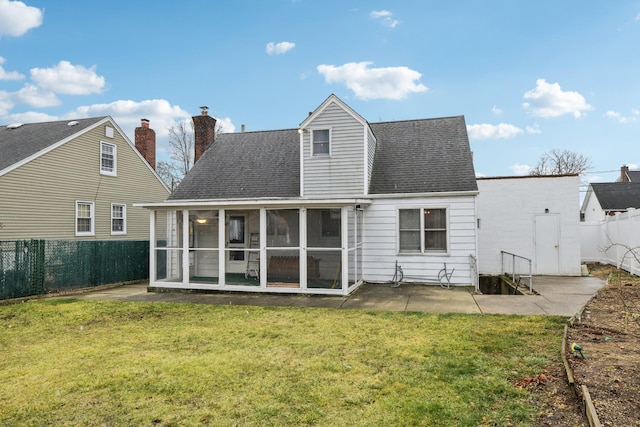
(145, 141)
(624, 174)
(204, 127)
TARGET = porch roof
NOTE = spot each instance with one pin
(253, 203)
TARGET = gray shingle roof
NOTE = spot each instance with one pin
(634, 176)
(412, 156)
(245, 165)
(22, 142)
(421, 156)
(617, 195)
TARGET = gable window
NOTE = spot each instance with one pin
(422, 230)
(320, 143)
(84, 218)
(107, 158)
(118, 218)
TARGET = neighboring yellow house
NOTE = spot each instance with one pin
(75, 180)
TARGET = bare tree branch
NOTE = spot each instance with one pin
(561, 162)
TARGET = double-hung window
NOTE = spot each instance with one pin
(84, 218)
(423, 230)
(118, 218)
(320, 142)
(107, 158)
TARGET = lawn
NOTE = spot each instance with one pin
(67, 362)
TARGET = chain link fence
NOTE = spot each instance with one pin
(36, 267)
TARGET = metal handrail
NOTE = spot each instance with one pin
(514, 273)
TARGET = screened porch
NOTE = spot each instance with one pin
(258, 249)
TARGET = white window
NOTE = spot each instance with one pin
(320, 142)
(118, 218)
(108, 158)
(84, 218)
(423, 230)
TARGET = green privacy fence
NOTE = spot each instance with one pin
(36, 267)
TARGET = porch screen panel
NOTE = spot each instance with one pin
(323, 228)
(283, 228)
(283, 248)
(324, 269)
(168, 246)
(203, 240)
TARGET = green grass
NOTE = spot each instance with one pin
(86, 363)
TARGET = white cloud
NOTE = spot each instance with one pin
(6, 103)
(533, 130)
(497, 111)
(35, 97)
(374, 83)
(548, 100)
(611, 114)
(29, 117)
(487, 131)
(225, 125)
(384, 17)
(127, 114)
(519, 169)
(8, 75)
(279, 48)
(69, 79)
(16, 18)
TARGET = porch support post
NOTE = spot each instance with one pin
(303, 247)
(152, 247)
(185, 247)
(344, 244)
(263, 247)
(222, 253)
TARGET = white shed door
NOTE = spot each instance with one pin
(547, 239)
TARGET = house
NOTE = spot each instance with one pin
(319, 208)
(76, 180)
(67, 218)
(627, 175)
(533, 217)
(607, 198)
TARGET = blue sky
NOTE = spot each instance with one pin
(528, 76)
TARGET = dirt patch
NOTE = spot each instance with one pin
(608, 333)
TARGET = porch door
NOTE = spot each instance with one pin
(547, 244)
(236, 243)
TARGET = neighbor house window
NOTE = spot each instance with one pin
(84, 219)
(118, 218)
(107, 158)
(321, 141)
(108, 132)
(422, 230)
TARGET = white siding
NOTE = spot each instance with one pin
(507, 208)
(371, 147)
(342, 173)
(380, 241)
(593, 211)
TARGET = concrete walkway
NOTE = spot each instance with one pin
(562, 296)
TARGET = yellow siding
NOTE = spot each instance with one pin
(37, 200)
